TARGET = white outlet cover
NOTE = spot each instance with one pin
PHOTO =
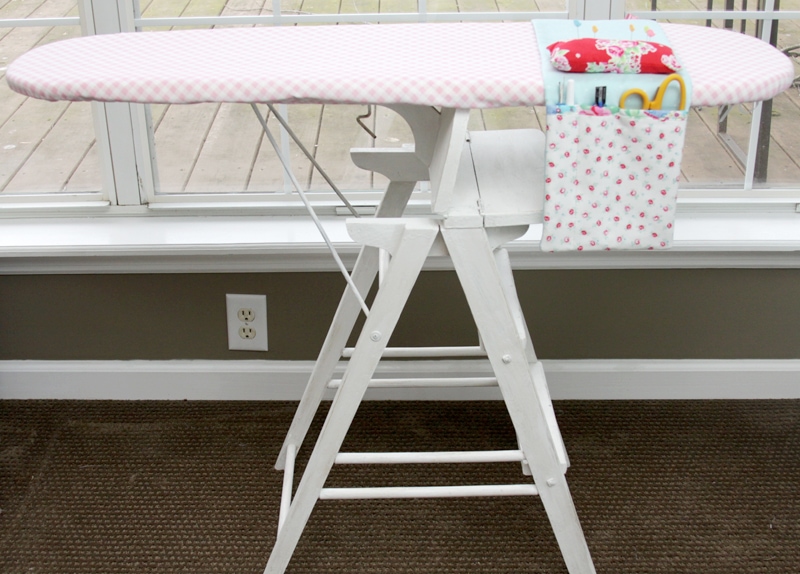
(258, 303)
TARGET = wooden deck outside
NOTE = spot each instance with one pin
(220, 147)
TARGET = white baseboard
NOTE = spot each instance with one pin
(284, 380)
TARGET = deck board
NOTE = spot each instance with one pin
(267, 175)
(398, 6)
(51, 161)
(362, 6)
(786, 138)
(211, 147)
(25, 135)
(39, 9)
(179, 140)
(443, 5)
(228, 152)
(513, 118)
(87, 173)
(704, 160)
(204, 8)
(339, 132)
(268, 172)
(391, 131)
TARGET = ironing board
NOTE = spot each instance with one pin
(477, 205)
(469, 65)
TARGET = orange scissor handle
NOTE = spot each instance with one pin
(635, 92)
(657, 102)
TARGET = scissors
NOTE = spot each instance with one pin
(657, 102)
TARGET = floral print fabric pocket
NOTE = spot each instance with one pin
(611, 178)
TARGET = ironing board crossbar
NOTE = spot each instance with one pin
(313, 160)
(443, 457)
(428, 491)
(425, 352)
(387, 492)
(310, 209)
(424, 382)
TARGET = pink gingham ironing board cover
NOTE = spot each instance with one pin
(460, 65)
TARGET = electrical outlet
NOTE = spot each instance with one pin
(246, 315)
(247, 322)
(247, 333)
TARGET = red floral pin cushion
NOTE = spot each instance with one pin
(614, 56)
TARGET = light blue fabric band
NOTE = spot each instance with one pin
(550, 31)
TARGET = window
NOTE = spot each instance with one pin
(211, 158)
(218, 153)
(718, 162)
(209, 154)
(47, 151)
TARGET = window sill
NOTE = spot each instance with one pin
(230, 243)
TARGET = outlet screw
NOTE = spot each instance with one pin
(375, 336)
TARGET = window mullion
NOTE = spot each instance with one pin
(121, 128)
(758, 108)
(596, 9)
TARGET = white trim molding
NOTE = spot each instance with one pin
(221, 244)
(284, 380)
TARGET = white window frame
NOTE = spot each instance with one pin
(15, 204)
(125, 142)
(134, 230)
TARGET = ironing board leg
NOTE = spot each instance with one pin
(481, 280)
(344, 320)
(510, 289)
(537, 371)
(363, 274)
(405, 266)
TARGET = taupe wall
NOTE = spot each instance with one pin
(675, 314)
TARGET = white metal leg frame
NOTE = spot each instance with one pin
(478, 210)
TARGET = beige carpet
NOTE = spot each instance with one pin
(661, 487)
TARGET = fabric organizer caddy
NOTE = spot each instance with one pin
(613, 154)
(486, 192)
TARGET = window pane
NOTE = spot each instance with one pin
(718, 139)
(783, 168)
(706, 160)
(210, 148)
(222, 148)
(45, 147)
(177, 8)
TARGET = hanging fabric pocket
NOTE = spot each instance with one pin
(611, 173)
(611, 178)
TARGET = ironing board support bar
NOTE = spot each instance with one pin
(428, 491)
(417, 382)
(310, 209)
(449, 457)
(312, 159)
(425, 352)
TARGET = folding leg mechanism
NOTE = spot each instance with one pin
(517, 371)
(484, 272)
